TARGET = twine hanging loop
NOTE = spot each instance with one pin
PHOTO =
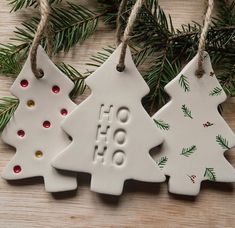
(43, 27)
(128, 30)
(202, 42)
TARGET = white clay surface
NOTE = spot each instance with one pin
(112, 133)
(37, 141)
(195, 134)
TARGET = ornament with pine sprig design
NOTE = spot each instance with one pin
(197, 135)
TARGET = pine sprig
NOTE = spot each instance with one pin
(183, 81)
(73, 25)
(223, 142)
(9, 63)
(8, 105)
(210, 174)
(100, 57)
(161, 72)
(77, 78)
(227, 79)
(162, 125)
(186, 111)
(162, 162)
(19, 4)
(188, 151)
(216, 91)
(70, 24)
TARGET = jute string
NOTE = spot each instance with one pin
(121, 9)
(43, 27)
(128, 30)
(202, 42)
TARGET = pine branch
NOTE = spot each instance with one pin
(226, 13)
(19, 4)
(70, 25)
(100, 57)
(223, 142)
(162, 125)
(227, 79)
(216, 91)
(8, 105)
(188, 151)
(186, 111)
(210, 174)
(9, 63)
(162, 162)
(183, 81)
(111, 7)
(162, 72)
(77, 78)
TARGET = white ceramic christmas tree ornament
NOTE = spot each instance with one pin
(35, 129)
(195, 134)
(109, 130)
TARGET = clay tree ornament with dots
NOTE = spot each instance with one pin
(196, 135)
(34, 130)
(109, 130)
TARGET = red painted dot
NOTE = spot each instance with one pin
(24, 83)
(55, 89)
(46, 124)
(64, 112)
(17, 169)
(21, 133)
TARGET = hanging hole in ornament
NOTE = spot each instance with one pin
(70, 138)
(30, 103)
(17, 169)
(38, 154)
(199, 73)
(120, 68)
(40, 73)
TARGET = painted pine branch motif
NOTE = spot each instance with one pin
(210, 174)
(162, 162)
(162, 125)
(183, 81)
(186, 111)
(216, 91)
(188, 151)
(223, 142)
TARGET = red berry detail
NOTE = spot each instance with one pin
(46, 124)
(64, 112)
(55, 89)
(17, 169)
(21, 133)
(24, 83)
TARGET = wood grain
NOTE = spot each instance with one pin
(26, 204)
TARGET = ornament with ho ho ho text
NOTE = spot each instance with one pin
(34, 130)
(109, 130)
(195, 133)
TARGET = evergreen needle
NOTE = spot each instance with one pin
(8, 106)
(223, 142)
(210, 174)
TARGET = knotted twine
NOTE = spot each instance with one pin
(43, 27)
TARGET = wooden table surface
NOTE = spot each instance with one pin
(26, 204)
